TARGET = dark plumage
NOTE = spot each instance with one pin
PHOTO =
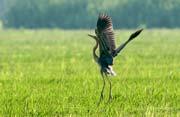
(107, 48)
(105, 34)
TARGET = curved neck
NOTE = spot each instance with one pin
(94, 51)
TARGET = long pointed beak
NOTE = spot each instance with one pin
(90, 35)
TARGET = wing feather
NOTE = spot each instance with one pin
(105, 34)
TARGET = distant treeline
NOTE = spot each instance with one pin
(73, 14)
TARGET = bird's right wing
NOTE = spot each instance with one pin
(134, 35)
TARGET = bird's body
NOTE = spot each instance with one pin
(107, 48)
(105, 35)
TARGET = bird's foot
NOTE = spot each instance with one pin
(109, 99)
(101, 98)
(99, 102)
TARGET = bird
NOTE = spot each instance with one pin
(105, 41)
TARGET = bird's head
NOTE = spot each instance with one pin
(96, 31)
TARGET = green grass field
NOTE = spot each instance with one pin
(52, 73)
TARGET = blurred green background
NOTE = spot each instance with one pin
(82, 14)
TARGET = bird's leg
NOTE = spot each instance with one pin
(110, 90)
(102, 91)
(104, 83)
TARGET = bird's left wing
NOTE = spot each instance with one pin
(105, 34)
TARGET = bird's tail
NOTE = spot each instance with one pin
(111, 71)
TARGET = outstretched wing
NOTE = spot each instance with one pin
(105, 34)
(134, 35)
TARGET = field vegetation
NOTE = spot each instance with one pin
(52, 72)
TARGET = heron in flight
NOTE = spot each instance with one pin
(107, 49)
